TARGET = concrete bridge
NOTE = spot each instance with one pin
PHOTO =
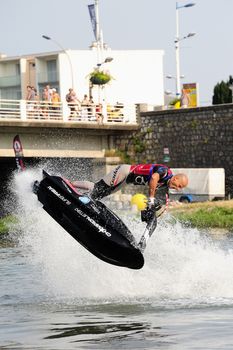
(48, 131)
(55, 138)
(81, 145)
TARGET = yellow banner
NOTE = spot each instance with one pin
(192, 91)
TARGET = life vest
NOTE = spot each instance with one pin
(141, 174)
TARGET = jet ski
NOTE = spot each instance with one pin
(90, 222)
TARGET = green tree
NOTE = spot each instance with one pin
(222, 92)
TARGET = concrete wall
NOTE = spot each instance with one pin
(46, 142)
(66, 140)
(196, 138)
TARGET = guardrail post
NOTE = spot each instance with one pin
(65, 112)
(23, 110)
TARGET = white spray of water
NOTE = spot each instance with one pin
(179, 262)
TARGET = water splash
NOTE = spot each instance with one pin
(180, 263)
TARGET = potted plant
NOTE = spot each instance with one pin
(98, 77)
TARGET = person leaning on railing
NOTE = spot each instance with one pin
(73, 103)
(91, 109)
(84, 107)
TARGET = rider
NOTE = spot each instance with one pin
(156, 176)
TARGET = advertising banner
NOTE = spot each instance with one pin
(192, 90)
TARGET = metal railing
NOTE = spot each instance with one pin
(67, 112)
(10, 109)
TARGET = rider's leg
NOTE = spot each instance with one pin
(84, 185)
(111, 182)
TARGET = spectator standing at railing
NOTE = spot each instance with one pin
(35, 94)
(37, 107)
(99, 114)
(30, 98)
(73, 103)
(91, 100)
(84, 107)
(91, 109)
(49, 98)
(50, 93)
(45, 102)
(55, 100)
(45, 95)
(85, 101)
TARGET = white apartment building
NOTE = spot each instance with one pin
(137, 75)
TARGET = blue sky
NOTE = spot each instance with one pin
(207, 58)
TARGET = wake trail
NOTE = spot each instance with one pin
(180, 263)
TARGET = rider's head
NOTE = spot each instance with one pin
(179, 181)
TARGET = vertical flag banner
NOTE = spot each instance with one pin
(91, 9)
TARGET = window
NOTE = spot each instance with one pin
(11, 93)
(52, 70)
(17, 68)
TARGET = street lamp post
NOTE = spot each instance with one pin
(67, 55)
(107, 60)
(98, 66)
(177, 44)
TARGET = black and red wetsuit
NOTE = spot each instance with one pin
(141, 174)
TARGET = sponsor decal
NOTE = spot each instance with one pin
(114, 175)
(95, 209)
(93, 222)
(60, 196)
(139, 180)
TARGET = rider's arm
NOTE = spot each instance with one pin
(153, 185)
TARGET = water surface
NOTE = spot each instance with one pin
(56, 295)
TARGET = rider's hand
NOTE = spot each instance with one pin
(151, 203)
(148, 214)
(154, 204)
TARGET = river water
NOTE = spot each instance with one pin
(55, 295)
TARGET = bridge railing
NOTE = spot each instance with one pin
(10, 109)
(59, 111)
